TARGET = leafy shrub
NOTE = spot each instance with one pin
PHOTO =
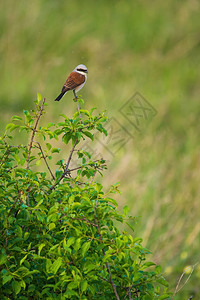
(59, 238)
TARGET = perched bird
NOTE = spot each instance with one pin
(75, 81)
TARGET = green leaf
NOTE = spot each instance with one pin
(71, 199)
(165, 296)
(48, 146)
(66, 138)
(136, 277)
(3, 258)
(16, 287)
(70, 241)
(64, 116)
(48, 265)
(16, 118)
(77, 244)
(39, 203)
(91, 111)
(137, 240)
(87, 154)
(50, 125)
(78, 136)
(130, 226)
(6, 278)
(125, 210)
(9, 126)
(39, 97)
(52, 226)
(98, 187)
(31, 288)
(85, 112)
(38, 162)
(23, 284)
(23, 259)
(72, 285)
(162, 281)
(147, 265)
(111, 201)
(41, 246)
(158, 269)
(27, 116)
(56, 265)
(84, 285)
(55, 150)
(85, 247)
(89, 134)
(89, 267)
(26, 235)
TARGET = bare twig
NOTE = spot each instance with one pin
(31, 143)
(79, 111)
(33, 134)
(43, 156)
(177, 289)
(76, 99)
(66, 167)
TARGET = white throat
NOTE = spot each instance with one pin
(82, 73)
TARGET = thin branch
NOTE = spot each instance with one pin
(76, 99)
(129, 294)
(88, 164)
(70, 157)
(4, 157)
(43, 156)
(91, 181)
(66, 167)
(84, 219)
(33, 134)
(103, 278)
(79, 111)
(31, 143)
(126, 288)
(177, 289)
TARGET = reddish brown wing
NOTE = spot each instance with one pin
(75, 79)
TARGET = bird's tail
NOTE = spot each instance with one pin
(59, 97)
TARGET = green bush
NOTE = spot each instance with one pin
(59, 235)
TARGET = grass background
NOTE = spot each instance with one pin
(152, 48)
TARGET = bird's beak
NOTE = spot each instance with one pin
(86, 71)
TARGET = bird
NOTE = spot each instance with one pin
(75, 81)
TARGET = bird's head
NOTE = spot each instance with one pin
(82, 69)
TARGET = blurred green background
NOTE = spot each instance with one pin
(147, 47)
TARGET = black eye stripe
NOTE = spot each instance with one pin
(81, 70)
